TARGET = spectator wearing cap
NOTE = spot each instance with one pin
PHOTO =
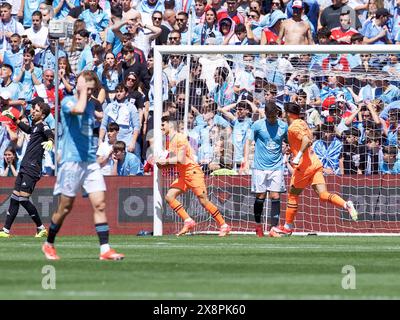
(270, 33)
(376, 31)
(330, 16)
(241, 123)
(329, 149)
(8, 26)
(311, 11)
(296, 31)
(124, 113)
(390, 163)
(208, 29)
(343, 33)
(125, 163)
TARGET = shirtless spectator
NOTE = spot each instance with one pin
(295, 30)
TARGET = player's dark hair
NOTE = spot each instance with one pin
(291, 107)
(45, 108)
(119, 146)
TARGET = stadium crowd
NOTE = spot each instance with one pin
(351, 102)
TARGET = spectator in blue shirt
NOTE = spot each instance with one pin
(376, 31)
(390, 161)
(125, 163)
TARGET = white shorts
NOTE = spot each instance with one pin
(267, 180)
(74, 175)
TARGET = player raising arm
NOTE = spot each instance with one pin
(307, 171)
(190, 177)
(79, 167)
(267, 173)
(41, 139)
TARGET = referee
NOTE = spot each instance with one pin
(41, 139)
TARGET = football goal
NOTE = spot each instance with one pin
(349, 96)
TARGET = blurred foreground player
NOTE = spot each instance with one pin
(79, 167)
(41, 139)
(190, 177)
(307, 170)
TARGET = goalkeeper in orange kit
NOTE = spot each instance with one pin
(307, 171)
(190, 177)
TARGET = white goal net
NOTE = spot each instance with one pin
(349, 96)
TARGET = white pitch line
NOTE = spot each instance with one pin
(254, 246)
(199, 295)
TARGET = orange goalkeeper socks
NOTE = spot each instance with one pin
(213, 210)
(291, 209)
(179, 209)
(332, 198)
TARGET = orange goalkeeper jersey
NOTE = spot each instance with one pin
(179, 142)
(297, 130)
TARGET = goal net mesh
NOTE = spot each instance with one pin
(348, 100)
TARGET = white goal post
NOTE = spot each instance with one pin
(320, 225)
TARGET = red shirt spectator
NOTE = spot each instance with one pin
(342, 36)
(335, 63)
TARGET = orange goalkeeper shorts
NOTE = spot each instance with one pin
(300, 180)
(192, 179)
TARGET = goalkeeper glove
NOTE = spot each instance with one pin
(48, 145)
(296, 160)
(8, 114)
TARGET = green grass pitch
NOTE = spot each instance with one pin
(204, 267)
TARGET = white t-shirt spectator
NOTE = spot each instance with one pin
(38, 37)
(104, 150)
